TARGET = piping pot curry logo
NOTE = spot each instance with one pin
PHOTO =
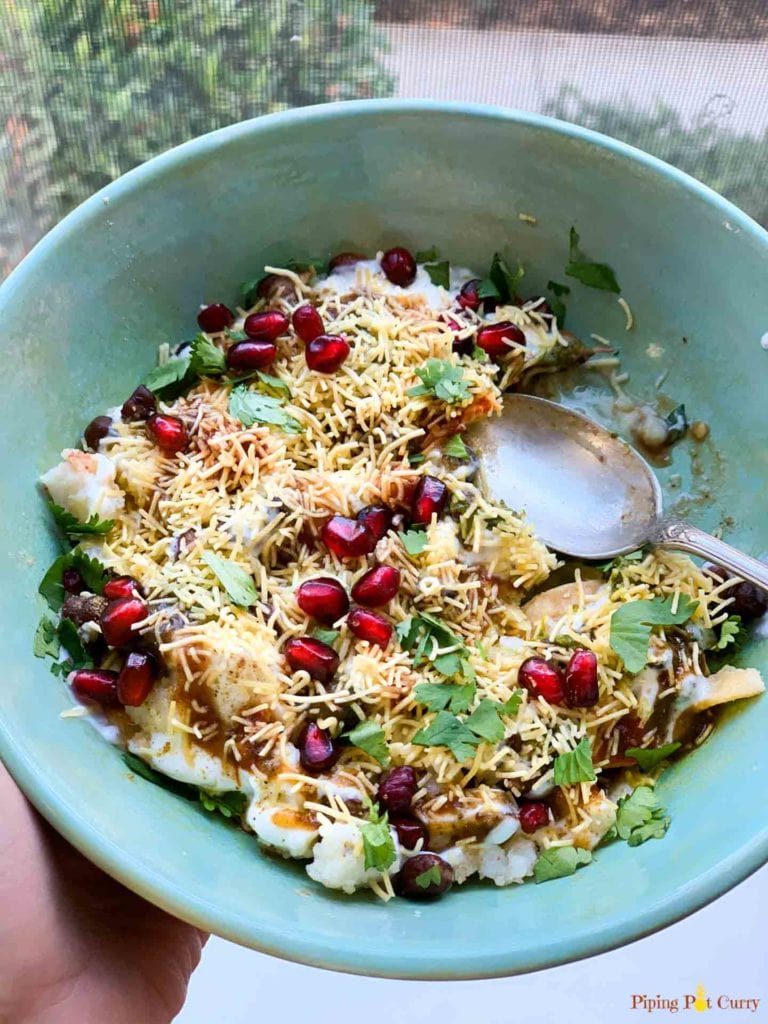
(699, 1002)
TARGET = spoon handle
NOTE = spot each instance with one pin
(674, 533)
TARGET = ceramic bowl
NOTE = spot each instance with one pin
(81, 321)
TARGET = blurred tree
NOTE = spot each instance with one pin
(729, 162)
(90, 88)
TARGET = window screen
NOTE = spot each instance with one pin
(90, 88)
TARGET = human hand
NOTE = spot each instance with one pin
(76, 947)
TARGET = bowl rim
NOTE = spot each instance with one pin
(163, 891)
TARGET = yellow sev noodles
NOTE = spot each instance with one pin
(258, 496)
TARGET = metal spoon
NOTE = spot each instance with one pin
(587, 493)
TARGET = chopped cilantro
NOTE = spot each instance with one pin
(502, 278)
(163, 378)
(621, 561)
(730, 633)
(631, 625)
(485, 721)
(576, 765)
(439, 273)
(649, 757)
(272, 383)
(206, 359)
(416, 458)
(369, 736)
(556, 303)
(423, 634)
(439, 696)
(677, 424)
(447, 731)
(594, 275)
(326, 636)
(228, 805)
(46, 642)
(479, 354)
(253, 407)
(378, 846)
(560, 861)
(429, 877)
(456, 448)
(73, 645)
(72, 526)
(441, 378)
(91, 570)
(512, 706)
(640, 817)
(237, 581)
(414, 541)
(427, 255)
(235, 335)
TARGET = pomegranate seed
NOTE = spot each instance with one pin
(72, 581)
(461, 345)
(266, 326)
(139, 406)
(307, 323)
(542, 679)
(97, 684)
(399, 266)
(378, 519)
(122, 586)
(397, 789)
(312, 656)
(533, 816)
(493, 339)
(168, 433)
(136, 678)
(347, 538)
(326, 353)
(96, 430)
(410, 831)
(630, 731)
(274, 286)
(581, 680)
(429, 499)
(415, 868)
(469, 296)
(323, 599)
(749, 601)
(344, 259)
(377, 587)
(215, 318)
(251, 355)
(119, 618)
(317, 751)
(370, 626)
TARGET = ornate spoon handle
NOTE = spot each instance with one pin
(673, 533)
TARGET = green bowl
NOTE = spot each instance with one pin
(81, 321)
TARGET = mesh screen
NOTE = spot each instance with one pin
(90, 88)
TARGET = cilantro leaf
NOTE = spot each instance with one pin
(439, 273)
(427, 255)
(559, 862)
(327, 636)
(447, 731)
(488, 290)
(253, 407)
(556, 303)
(439, 696)
(416, 458)
(423, 633)
(479, 354)
(72, 526)
(235, 335)
(46, 642)
(73, 645)
(730, 632)
(576, 765)
(144, 771)
(414, 541)
(621, 560)
(92, 571)
(456, 448)
(442, 379)
(273, 383)
(171, 373)
(503, 278)
(369, 736)
(631, 626)
(640, 816)
(229, 805)
(594, 275)
(485, 721)
(237, 581)
(512, 706)
(206, 359)
(429, 877)
(677, 424)
(558, 289)
(649, 757)
(378, 846)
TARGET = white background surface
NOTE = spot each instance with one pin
(723, 946)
